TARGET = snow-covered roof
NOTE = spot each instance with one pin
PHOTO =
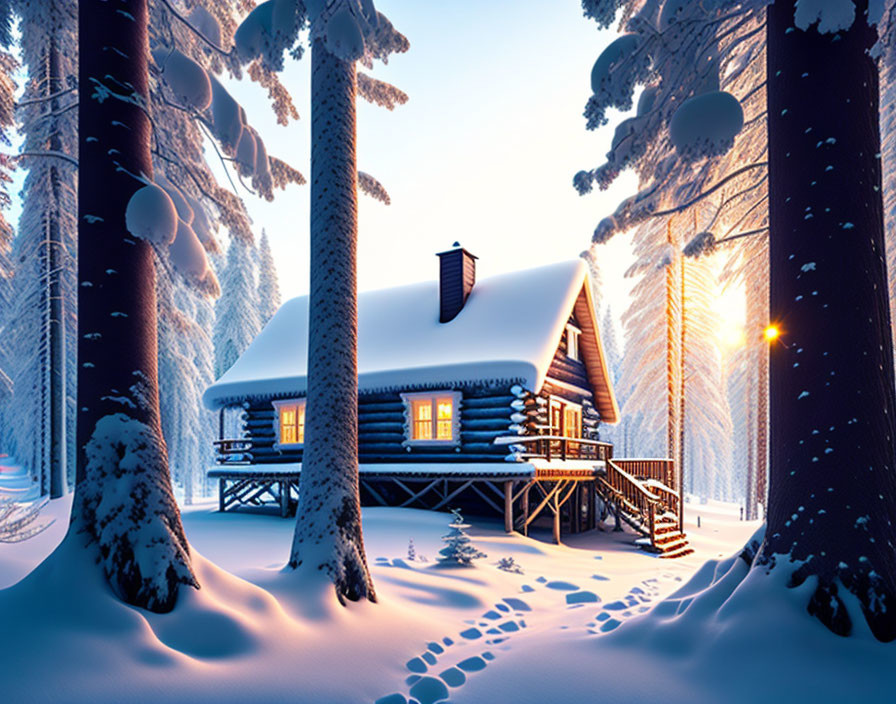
(508, 330)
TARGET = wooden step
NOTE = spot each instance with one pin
(684, 551)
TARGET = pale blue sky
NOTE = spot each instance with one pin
(484, 152)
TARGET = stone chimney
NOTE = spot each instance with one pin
(457, 275)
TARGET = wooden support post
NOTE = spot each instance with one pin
(284, 498)
(618, 527)
(556, 507)
(525, 502)
(508, 506)
(221, 493)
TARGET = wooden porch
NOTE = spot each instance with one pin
(573, 482)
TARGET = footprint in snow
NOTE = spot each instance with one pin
(616, 606)
(609, 625)
(582, 597)
(517, 604)
(562, 586)
(428, 689)
(600, 578)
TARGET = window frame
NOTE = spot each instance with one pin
(564, 406)
(279, 405)
(573, 338)
(433, 397)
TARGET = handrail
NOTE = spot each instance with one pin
(560, 446)
(635, 494)
(228, 448)
(661, 470)
(522, 439)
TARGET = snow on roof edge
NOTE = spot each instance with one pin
(462, 352)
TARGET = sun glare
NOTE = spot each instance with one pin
(730, 307)
(771, 333)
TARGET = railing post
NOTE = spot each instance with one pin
(651, 512)
(563, 445)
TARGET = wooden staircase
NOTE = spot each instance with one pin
(644, 495)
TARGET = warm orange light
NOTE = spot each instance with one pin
(771, 333)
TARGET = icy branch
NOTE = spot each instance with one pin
(49, 153)
(46, 98)
(712, 189)
(18, 522)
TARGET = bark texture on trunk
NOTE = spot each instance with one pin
(56, 323)
(123, 503)
(328, 528)
(832, 494)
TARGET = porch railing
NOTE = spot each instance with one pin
(230, 450)
(657, 470)
(559, 447)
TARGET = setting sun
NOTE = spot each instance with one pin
(771, 333)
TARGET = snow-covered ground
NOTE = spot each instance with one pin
(469, 635)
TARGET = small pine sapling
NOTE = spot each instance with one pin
(412, 551)
(458, 549)
(508, 564)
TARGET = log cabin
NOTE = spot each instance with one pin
(488, 395)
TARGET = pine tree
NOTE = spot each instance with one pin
(832, 487)
(8, 65)
(123, 503)
(342, 32)
(459, 549)
(268, 288)
(44, 374)
(236, 311)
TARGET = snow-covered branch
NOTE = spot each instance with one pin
(379, 92)
(49, 153)
(19, 522)
(205, 40)
(373, 188)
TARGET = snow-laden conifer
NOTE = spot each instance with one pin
(236, 311)
(831, 455)
(124, 512)
(41, 331)
(268, 295)
(459, 549)
(328, 529)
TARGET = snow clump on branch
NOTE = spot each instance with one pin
(187, 79)
(151, 215)
(618, 69)
(701, 243)
(706, 124)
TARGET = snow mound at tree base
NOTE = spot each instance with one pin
(62, 624)
(732, 633)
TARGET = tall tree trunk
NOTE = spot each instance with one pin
(673, 363)
(832, 491)
(56, 325)
(328, 528)
(750, 431)
(682, 429)
(123, 501)
(761, 489)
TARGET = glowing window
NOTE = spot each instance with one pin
(291, 421)
(433, 417)
(572, 423)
